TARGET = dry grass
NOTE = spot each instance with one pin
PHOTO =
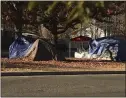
(71, 64)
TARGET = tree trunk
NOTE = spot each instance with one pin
(19, 22)
(19, 28)
(55, 39)
(125, 19)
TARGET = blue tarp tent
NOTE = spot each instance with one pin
(100, 45)
(33, 49)
(20, 47)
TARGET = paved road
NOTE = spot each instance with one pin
(63, 85)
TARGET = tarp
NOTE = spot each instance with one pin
(100, 45)
(19, 47)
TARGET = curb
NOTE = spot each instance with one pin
(60, 73)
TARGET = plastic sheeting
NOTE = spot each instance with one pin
(19, 48)
(100, 45)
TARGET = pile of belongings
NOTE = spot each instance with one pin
(115, 47)
(33, 49)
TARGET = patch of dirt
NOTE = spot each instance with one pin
(70, 64)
